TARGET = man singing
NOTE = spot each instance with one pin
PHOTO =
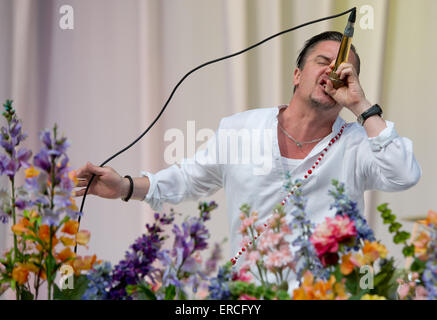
(366, 155)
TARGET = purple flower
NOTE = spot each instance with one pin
(211, 263)
(4, 218)
(138, 262)
(11, 168)
(45, 137)
(42, 161)
(23, 156)
(50, 217)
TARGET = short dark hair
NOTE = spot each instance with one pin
(324, 36)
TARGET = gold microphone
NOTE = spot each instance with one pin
(343, 52)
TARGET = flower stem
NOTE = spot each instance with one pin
(14, 221)
(50, 258)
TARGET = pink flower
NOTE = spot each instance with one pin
(246, 223)
(403, 290)
(279, 258)
(421, 293)
(243, 275)
(329, 234)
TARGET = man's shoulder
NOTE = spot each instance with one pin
(250, 118)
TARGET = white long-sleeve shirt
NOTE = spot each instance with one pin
(385, 162)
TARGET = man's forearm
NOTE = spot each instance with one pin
(141, 187)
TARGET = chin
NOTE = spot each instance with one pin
(323, 103)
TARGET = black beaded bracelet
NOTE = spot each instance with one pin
(131, 188)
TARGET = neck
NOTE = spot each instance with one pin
(305, 122)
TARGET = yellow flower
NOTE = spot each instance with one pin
(73, 204)
(83, 237)
(71, 227)
(83, 263)
(21, 227)
(73, 177)
(67, 241)
(31, 172)
(374, 250)
(372, 297)
(430, 219)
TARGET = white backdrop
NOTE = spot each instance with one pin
(104, 81)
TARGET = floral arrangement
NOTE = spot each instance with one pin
(151, 272)
(42, 211)
(338, 258)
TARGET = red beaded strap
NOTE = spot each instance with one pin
(306, 176)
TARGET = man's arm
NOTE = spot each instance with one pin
(141, 188)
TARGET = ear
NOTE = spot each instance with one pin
(297, 76)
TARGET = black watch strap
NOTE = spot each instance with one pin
(373, 110)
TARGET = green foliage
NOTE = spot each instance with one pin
(170, 292)
(400, 237)
(80, 286)
(267, 292)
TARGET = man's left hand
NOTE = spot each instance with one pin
(351, 95)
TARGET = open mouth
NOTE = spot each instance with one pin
(322, 84)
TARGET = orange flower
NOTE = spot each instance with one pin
(321, 290)
(421, 245)
(73, 177)
(65, 254)
(73, 204)
(373, 250)
(431, 219)
(83, 237)
(346, 266)
(44, 235)
(31, 172)
(21, 227)
(83, 263)
(29, 266)
(358, 259)
(20, 274)
(70, 227)
(67, 241)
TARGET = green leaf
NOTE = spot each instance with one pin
(26, 213)
(382, 207)
(408, 251)
(80, 286)
(282, 295)
(144, 293)
(170, 292)
(394, 227)
(418, 265)
(26, 295)
(182, 295)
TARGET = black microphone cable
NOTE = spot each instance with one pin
(186, 76)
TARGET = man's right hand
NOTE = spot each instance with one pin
(106, 184)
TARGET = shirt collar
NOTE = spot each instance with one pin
(338, 123)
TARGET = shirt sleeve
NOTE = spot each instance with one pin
(387, 161)
(194, 178)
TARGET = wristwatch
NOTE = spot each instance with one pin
(373, 110)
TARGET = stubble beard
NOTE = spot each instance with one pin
(321, 106)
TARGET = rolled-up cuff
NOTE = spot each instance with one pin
(150, 197)
(384, 138)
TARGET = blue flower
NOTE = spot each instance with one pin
(219, 285)
(99, 279)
